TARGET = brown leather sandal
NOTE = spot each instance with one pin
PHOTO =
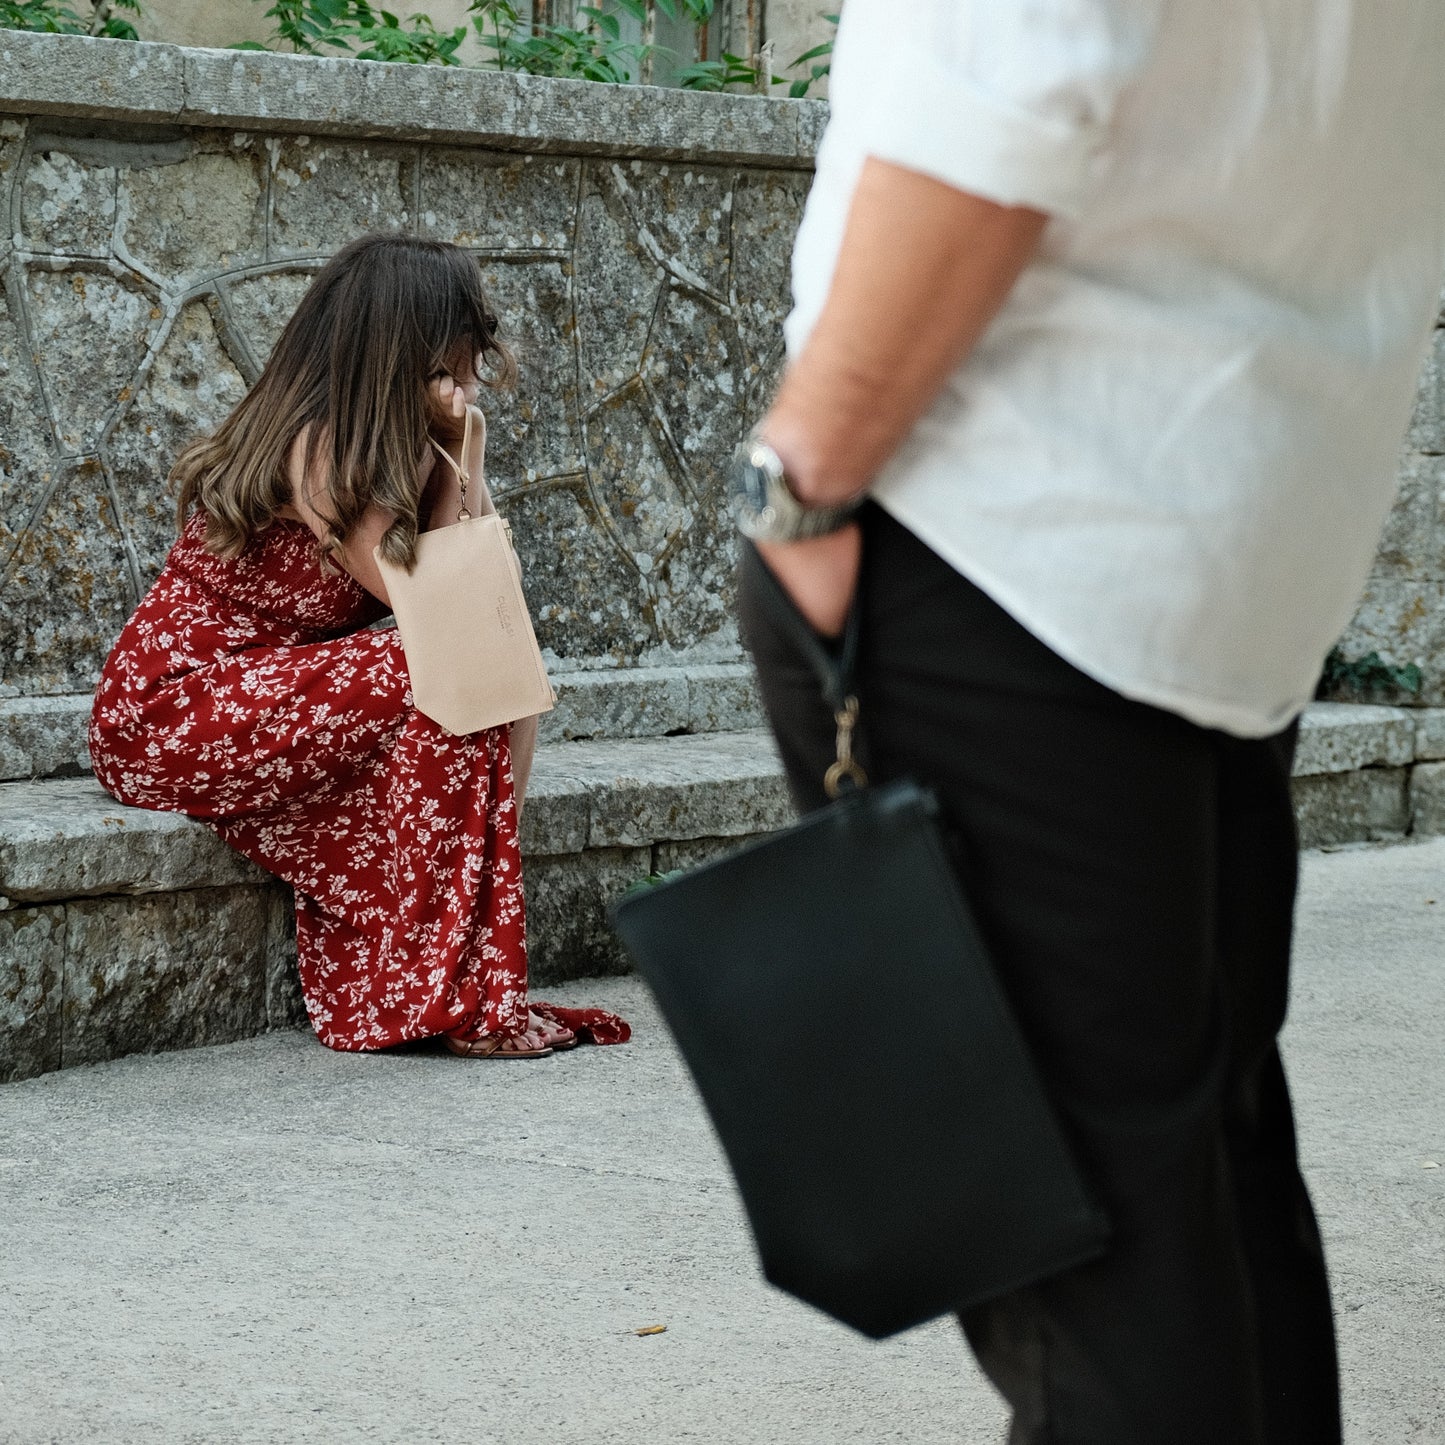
(529, 1045)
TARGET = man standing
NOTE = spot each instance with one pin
(1113, 310)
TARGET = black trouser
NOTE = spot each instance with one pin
(1134, 876)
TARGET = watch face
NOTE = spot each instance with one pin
(748, 482)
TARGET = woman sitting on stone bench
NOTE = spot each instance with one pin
(249, 691)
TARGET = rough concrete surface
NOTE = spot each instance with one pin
(266, 1242)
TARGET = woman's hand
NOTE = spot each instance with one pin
(448, 400)
(820, 575)
(449, 403)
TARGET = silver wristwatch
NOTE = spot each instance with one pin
(764, 505)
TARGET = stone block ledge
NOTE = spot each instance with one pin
(1338, 737)
(126, 931)
(44, 737)
(123, 930)
(65, 838)
(144, 82)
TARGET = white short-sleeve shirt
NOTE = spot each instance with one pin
(1171, 454)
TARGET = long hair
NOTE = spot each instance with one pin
(351, 368)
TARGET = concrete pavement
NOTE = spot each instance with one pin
(266, 1242)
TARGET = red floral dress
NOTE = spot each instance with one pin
(250, 694)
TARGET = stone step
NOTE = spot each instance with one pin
(124, 930)
(1365, 773)
(64, 838)
(44, 737)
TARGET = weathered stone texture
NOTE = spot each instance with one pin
(1427, 426)
(649, 702)
(637, 477)
(682, 218)
(90, 329)
(622, 287)
(723, 697)
(285, 1008)
(668, 857)
(190, 390)
(696, 376)
(630, 702)
(260, 306)
(76, 75)
(26, 458)
(68, 588)
(1427, 799)
(1412, 544)
(43, 737)
(1340, 737)
(164, 972)
(534, 432)
(618, 285)
(1358, 807)
(587, 600)
(767, 208)
(1403, 620)
(567, 901)
(67, 205)
(494, 201)
(325, 194)
(693, 584)
(1430, 732)
(67, 838)
(678, 788)
(12, 136)
(203, 214)
(32, 957)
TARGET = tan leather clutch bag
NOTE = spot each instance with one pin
(470, 649)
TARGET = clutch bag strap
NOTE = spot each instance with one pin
(834, 665)
(464, 476)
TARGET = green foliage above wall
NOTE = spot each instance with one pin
(357, 28)
(55, 17)
(593, 47)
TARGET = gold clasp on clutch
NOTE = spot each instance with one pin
(846, 768)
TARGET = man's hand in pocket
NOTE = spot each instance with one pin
(820, 575)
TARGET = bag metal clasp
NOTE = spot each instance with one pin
(845, 774)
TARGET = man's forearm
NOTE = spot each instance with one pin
(923, 269)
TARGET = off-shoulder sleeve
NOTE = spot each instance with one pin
(1008, 99)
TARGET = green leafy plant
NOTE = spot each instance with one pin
(55, 17)
(652, 880)
(1368, 676)
(819, 61)
(592, 48)
(719, 74)
(359, 29)
(593, 51)
(734, 70)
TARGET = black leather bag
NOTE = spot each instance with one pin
(830, 993)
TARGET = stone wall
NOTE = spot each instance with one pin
(1402, 613)
(147, 269)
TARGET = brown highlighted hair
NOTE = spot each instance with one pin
(352, 369)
